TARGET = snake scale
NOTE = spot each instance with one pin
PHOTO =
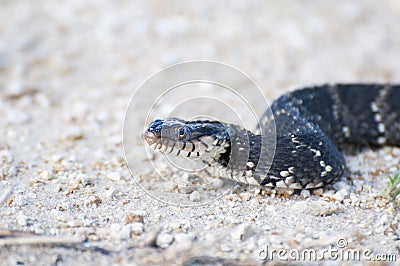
(297, 143)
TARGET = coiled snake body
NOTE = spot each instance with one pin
(296, 145)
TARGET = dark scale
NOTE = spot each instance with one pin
(310, 124)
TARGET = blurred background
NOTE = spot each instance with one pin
(79, 62)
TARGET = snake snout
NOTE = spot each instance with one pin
(150, 137)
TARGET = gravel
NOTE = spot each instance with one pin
(68, 71)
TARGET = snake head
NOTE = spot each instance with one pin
(188, 138)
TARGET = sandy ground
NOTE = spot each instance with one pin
(67, 72)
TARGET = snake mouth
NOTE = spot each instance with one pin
(187, 148)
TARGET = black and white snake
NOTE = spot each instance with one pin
(296, 145)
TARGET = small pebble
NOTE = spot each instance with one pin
(347, 202)
(183, 240)
(195, 196)
(217, 183)
(355, 200)
(163, 240)
(53, 231)
(133, 218)
(110, 193)
(137, 228)
(184, 189)
(340, 195)
(37, 229)
(45, 175)
(82, 178)
(245, 196)
(114, 176)
(22, 220)
(358, 185)
(318, 191)
(305, 193)
(119, 232)
(95, 200)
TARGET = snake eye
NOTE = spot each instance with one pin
(182, 133)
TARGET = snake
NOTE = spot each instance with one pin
(299, 140)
